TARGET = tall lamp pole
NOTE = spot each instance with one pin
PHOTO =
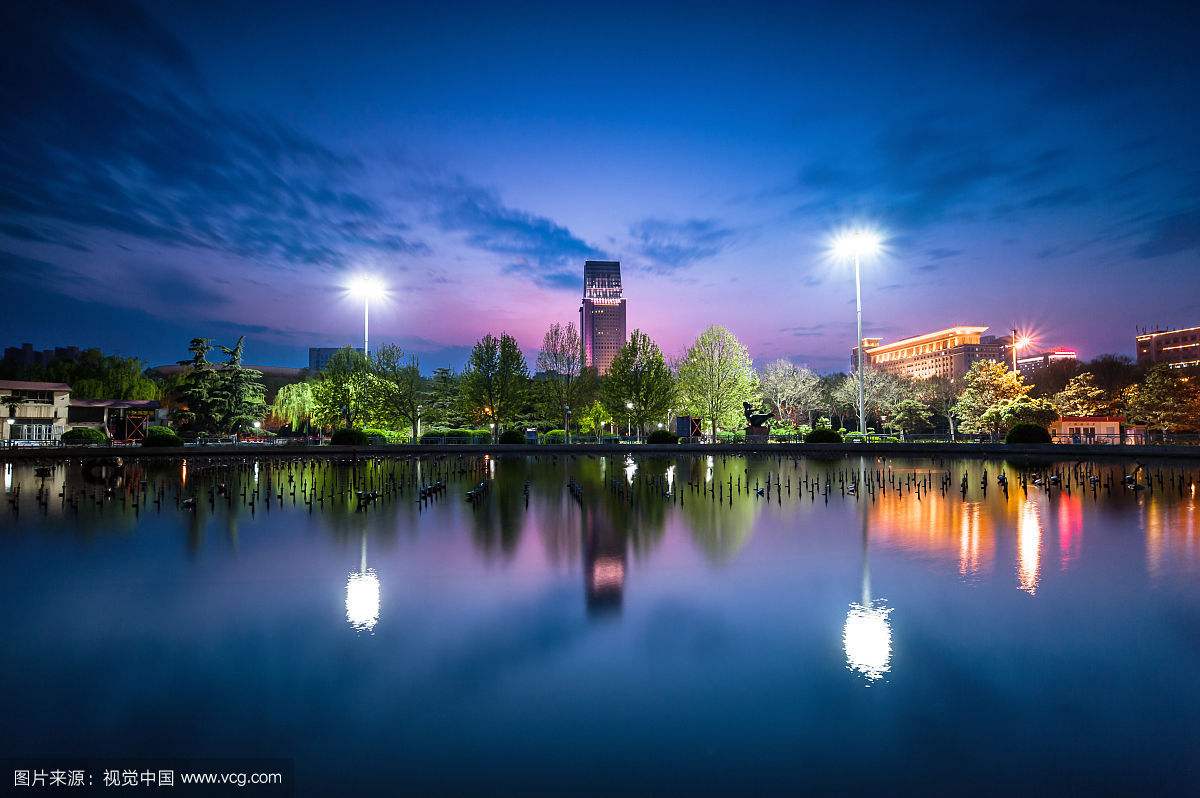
(857, 244)
(366, 287)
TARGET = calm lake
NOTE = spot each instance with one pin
(595, 625)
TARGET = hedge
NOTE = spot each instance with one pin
(662, 436)
(84, 436)
(376, 435)
(161, 436)
(349, 436)
(455, 435)
(512, 436)
(1028, 433)
(821, 435)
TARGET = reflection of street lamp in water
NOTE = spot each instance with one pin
(362, 595)
(867, 635)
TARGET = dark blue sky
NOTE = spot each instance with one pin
(218, 168)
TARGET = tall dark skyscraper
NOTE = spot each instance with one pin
(602, 314)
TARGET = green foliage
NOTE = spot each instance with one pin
(400, 391)
(639, 376)
(662, 436)
(563, 380)
(349, 436)
(1081, 397)
(554, 436)
(226, 397)
(823, 435)
(512, 436)
(455, 435)
(910, 415)
(294, 405)
(1008, 413)
(445, 407)
(161, 436)
(496, 379)
(346, 391)
(593, 420)
(375, 435)
(1166, 401)
(716, 377)
(1027, 433)
(93, 375)
(84, 436)
(986, 384)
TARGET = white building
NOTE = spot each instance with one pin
(33, 412)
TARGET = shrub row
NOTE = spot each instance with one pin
(161, 436)
(84, 436)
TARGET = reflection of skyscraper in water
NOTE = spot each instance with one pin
(603, 560)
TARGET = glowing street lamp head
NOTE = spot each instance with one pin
(367, 286)
(1023, 342)
(860, 242)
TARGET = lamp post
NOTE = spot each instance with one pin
(629, 419)
(8, 423)
(365, 287)
(567, 423)
(857, 244)
(417, 426)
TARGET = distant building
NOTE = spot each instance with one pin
(319, 356)
(602, 314)
(26, 356)
(34, 412)
(1032, 363)
(946, 353)
(1176, 348)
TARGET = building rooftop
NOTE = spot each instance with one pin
(21, 385)
(949, 332)
(131, 404)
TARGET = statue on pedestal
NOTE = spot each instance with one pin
(756, 423)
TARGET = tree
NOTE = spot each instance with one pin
(405, 391)
(1166, 401)
(882, 391)
(716, 377)
(240, 391)
(1052, 378)
(1113, 373)
(445, 402)
(594, 418)
(794, 392)
(639, 385)
(910, 415)
(198, 393)
(563, 380)
(1007, 413)
(941, 393)
(495, 380)
(294, 405)
(986, 384)
(345, 390)
(1082, 397)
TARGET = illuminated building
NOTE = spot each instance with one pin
(945, 353)
(35, 412)
(1176, 348)
(1031, 363)
(602, 313)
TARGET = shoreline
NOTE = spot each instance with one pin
(1054, 451)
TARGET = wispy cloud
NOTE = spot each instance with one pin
(671, 245)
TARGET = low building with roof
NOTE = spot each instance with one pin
(123, 420)
(33, 412)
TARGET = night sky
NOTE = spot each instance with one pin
(215, 168)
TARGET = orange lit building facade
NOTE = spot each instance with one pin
(1176, 348)
(945, 353)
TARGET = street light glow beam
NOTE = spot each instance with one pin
(366, 286)
(859, 242)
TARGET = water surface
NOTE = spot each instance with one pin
(646, 631)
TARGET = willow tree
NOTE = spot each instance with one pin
(294, 405)
(716, 377)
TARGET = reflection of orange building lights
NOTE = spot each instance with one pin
(936, 526)
(1070, 529)
(968, 542)
(1171, 535)
(1029, 547)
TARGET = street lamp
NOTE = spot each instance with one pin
(858, 244)
(366, 287)
(567, 423)
(1018, 342)
(629, 419)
